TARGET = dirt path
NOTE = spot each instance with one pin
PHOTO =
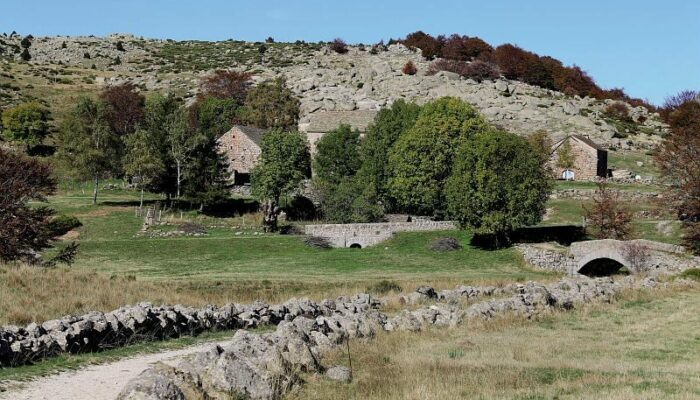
(96, 382)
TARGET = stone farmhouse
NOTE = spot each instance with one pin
(241, 147)
(588, 160)
(323, 122)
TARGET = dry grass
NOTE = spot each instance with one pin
(644, 347)
(32, 294)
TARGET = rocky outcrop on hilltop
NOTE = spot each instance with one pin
(326, 81)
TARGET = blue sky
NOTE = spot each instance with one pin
(651, 48)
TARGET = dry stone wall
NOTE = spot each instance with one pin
(269, 365)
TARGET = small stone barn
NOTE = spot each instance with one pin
(589, 160)
(323, 122)
(241, 147)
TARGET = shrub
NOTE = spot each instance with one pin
(86, 55)
(693, 273)
(384, 287)
(224, 84)
(339, 46)
(445, 244)
(120, 46)
(618, 110)
(270, 39)
(481, 71)
(62, 224)
(25, 55)
(409, 68)
(26, 42)
(458, 67)
(476, 47)
(63, 45)
(609, 217)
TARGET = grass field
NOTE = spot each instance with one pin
(646, 346)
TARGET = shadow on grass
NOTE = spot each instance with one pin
(562, 234)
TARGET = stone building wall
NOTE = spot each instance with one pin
(241, 151)
(585, 161)
(363, 235)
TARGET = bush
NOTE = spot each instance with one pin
(384, 287)
(339, 46)
(693, 273)
(409, 68)
(25, 55)
(481, 71)
(62, 224)
(618, 110)
(270, 39)
(120, 46)
(458, 67)
(445, 244)
(301, 208)
(431, 47)
(86, 55)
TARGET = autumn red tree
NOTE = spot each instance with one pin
(125, 107)
(24, 230)
(455, 49)
(680, 165)
(224, 84)
(608, 218)
(476, 47)
(430, 46)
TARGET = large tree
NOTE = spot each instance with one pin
(181, 143)
(25, 230)
(498, 184)
(679, 160)
(26, 123)
(421, 159)
(389, 124)
(337, 155)
(284, 163)
(125, 107)
(88, 144)
(272, 104)
(158, 112)
(345, 196)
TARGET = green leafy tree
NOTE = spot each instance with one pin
(142, 159)
(158, 111)
(497, 184)
(26, 123)
(272, 104)
(421, 159)
(389, 124)
(565, 157)
(205, 176)
(87, 142)
(284, 163)
(348, 201)
(337, 155)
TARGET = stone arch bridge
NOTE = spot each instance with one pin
(364, 235)
(604, 257)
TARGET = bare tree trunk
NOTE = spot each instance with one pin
(270, 213)
(94, 191)
(179, 179)
(141, 204)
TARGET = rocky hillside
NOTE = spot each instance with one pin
(324, 80)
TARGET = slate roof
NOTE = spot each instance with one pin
(326, 121)
(255, 134)
(588, 142)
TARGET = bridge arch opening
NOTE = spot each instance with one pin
(601, 267)
(355, 246)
